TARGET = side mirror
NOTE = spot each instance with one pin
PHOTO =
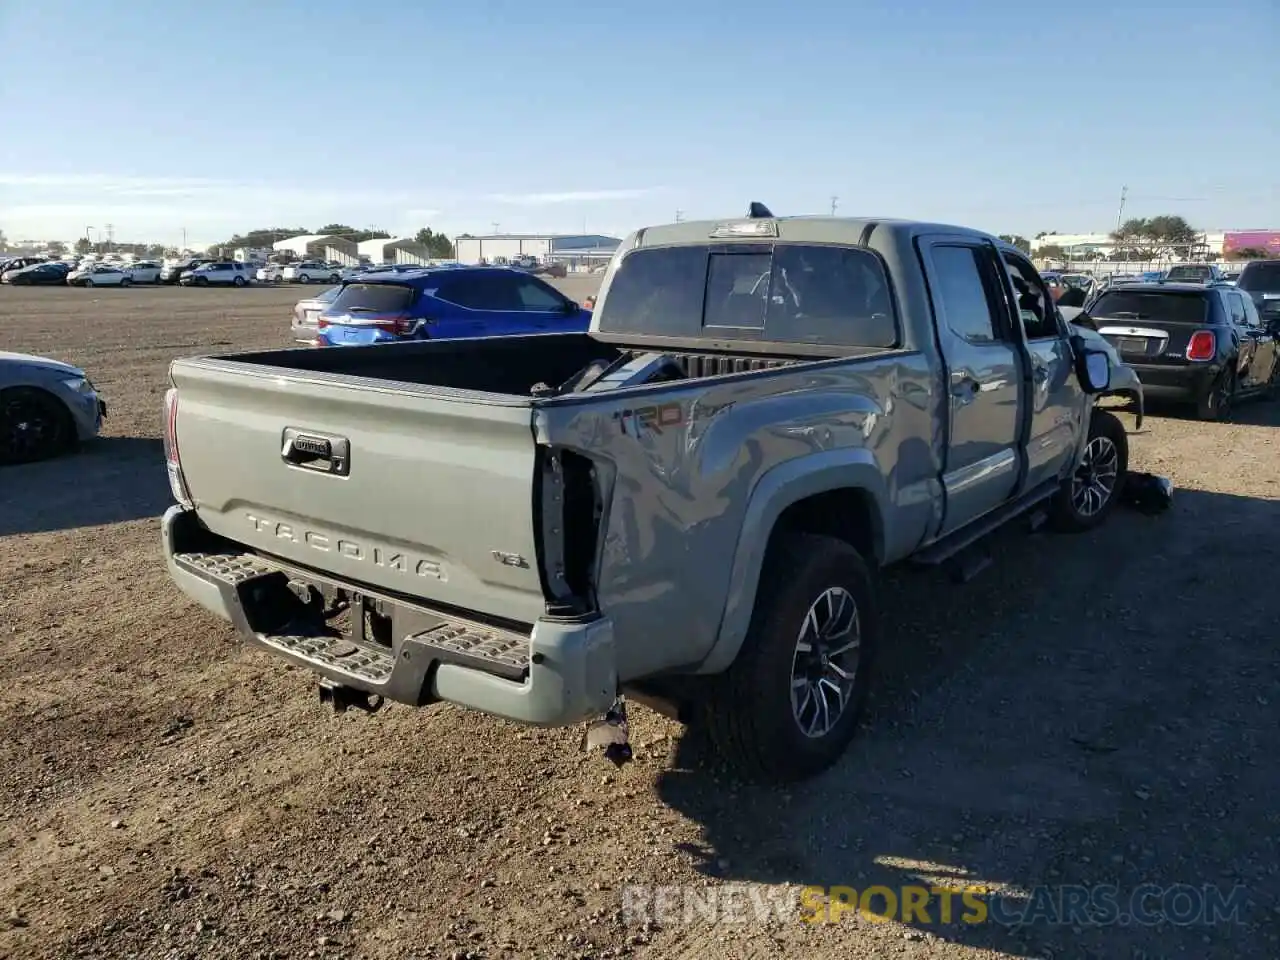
(1094, 370)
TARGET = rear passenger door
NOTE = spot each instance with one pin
(1245, 375)
(983, 377)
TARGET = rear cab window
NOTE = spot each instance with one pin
(374, 298)
(1170, 306)
(784, 293)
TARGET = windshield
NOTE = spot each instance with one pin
(1261, 277)
(1170, 306)
(1193, 273)
(373, 298)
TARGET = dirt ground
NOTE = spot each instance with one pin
(1093, 710)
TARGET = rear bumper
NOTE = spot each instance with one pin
(560, 673)
(1166, 382)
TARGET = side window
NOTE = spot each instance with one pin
(537, 298)
(1251, 316)
(1237, 309)
(1035, 303)
(461, 291)
(836, 295)
(962, 295)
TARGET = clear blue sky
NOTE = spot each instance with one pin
(551, 116)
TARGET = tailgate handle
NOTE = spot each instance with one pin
(320, 452)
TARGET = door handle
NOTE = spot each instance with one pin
(319, 452)
(964, 389)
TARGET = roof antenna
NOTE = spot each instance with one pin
(758, 211)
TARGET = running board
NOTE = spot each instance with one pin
(960, 540)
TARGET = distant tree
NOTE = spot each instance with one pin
(1046, 233)
(155, 251)
(436, 244)
(351, 233)
(1146, 238)
(4, 242)
(263, 237)
(1252, 253)
(1019, 241)
(58, 248)
(83, 246)
(1051, 251)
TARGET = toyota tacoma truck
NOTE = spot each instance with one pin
(687, 505)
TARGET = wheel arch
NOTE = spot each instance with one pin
(72, 432)
(838, 493)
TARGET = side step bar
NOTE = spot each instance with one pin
(954, 543)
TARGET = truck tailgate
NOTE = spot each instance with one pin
(435, 498)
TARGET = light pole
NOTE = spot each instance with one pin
(88, 237)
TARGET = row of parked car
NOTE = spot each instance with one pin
(196, 271)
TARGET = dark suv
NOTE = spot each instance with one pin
(1205, 345)
(1260, 279)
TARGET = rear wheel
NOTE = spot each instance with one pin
(303, 278)
(1091, 492)
(789, 704)
(1218, 400)
(126, 282)
(238, 281)
(334, 278)
(33, 425)
(88, 283)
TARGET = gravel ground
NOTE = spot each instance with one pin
(1092, 710)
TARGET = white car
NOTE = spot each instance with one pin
(271, 273)
(311, 271)
(144, 271)
(99, 275)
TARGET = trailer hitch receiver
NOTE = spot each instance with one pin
(342, 698)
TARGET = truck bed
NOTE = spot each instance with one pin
(510, 366)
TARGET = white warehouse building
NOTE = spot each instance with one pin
(316, 246)
(392, 250)
(545, 247)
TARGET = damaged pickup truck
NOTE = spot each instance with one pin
(687, 505)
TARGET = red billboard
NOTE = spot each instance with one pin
(1268, 240)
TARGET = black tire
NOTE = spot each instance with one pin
(1072, 509)
(238, 281)
(334, 278)
(1218, 400)
(88, 283)
(126, 282)
(749, 710)
(34, 425)
(202, 281)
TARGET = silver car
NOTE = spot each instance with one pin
(307, 311)
(46, 408)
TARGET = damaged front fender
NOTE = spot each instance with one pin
(1124, 381)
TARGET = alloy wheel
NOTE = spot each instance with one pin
(1095, 479)
(825, 663)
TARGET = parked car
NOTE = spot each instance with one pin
(270, 273)
(1260, 279)
(99, 275)
(311, 271)
(307, 311)
(173, 270)
(1188, 342)
(1194, 273)
(144, 271)
(443, 303)
(46, 408)
(228, 273)
(18, 263)
(38, 273)
(686, 504)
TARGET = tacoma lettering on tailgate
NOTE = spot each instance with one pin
(348, 548)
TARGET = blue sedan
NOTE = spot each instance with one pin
(46, 407)
(446, 303)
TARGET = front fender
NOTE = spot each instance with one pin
(1125, 383)
(779, 488)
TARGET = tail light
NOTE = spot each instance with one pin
(172, 462)
(400, 326)
(1202, 345)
